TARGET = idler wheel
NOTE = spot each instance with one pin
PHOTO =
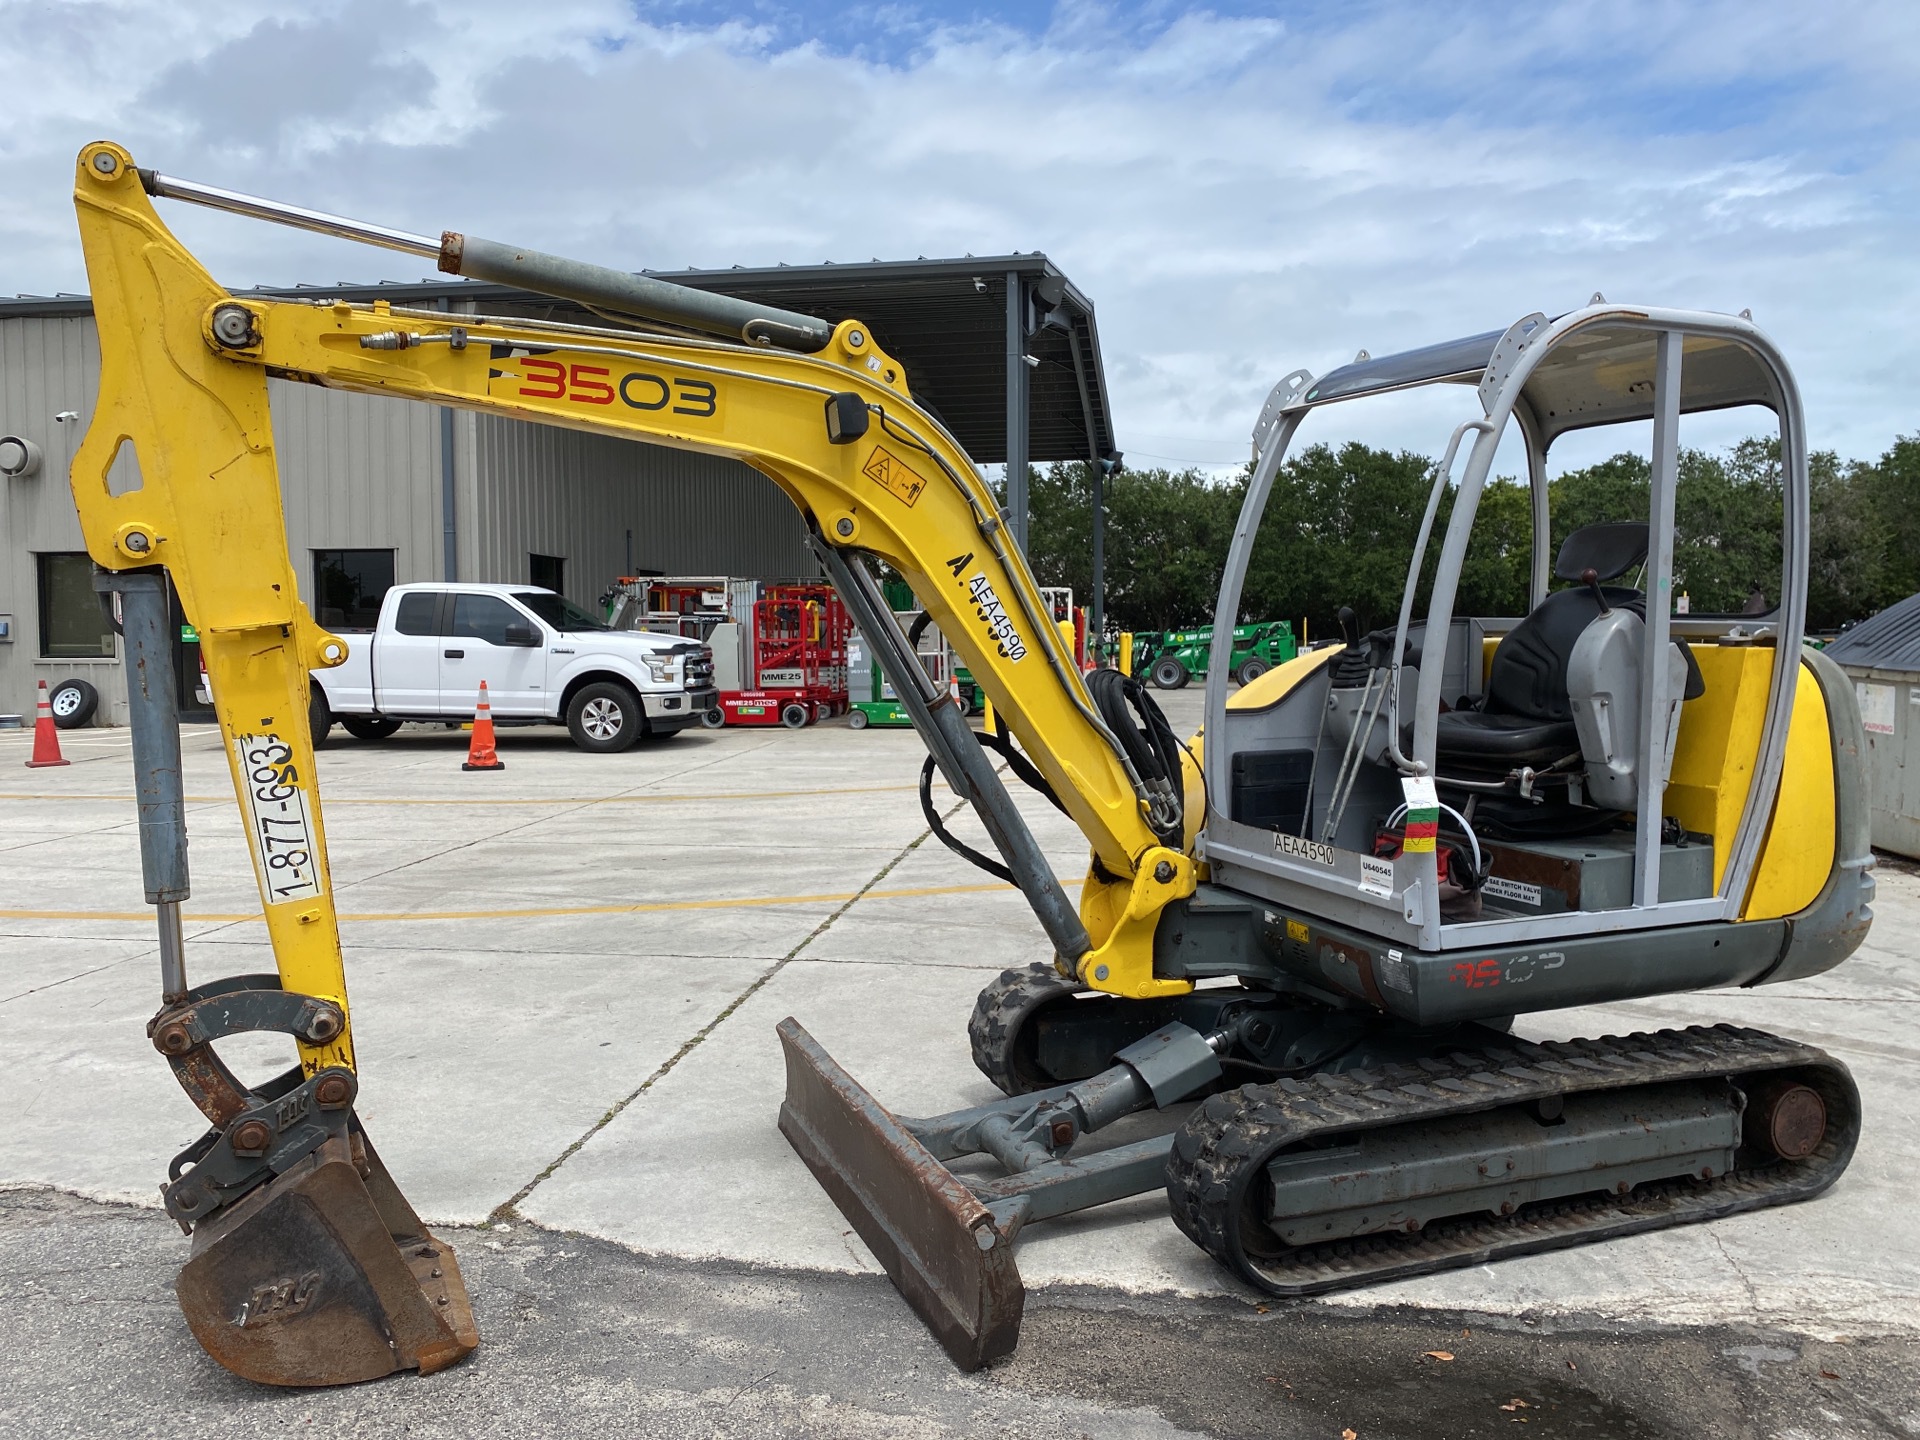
(1785, 1119)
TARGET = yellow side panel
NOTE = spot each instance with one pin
(1797, 856)
(1719, 742)
(1279, 681)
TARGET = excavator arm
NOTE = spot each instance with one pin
(184, 366)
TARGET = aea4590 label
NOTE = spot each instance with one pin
(279, 819)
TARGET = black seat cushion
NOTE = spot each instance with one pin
(1526, 717)
(1468, 736)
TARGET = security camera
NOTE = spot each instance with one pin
(65, 415)
(979, 286)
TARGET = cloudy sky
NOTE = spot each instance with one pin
(1242, 189)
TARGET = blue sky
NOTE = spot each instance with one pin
(1241, 188)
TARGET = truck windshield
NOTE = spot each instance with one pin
(558, 611)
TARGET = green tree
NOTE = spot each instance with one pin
(1167, 538)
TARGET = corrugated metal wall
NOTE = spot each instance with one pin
(562, 492)
(355, 471)
(361, 471)
(46, 366)
(358, 472)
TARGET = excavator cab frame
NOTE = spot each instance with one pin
(1600, 365)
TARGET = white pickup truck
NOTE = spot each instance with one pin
(544, 660)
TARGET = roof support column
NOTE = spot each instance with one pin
(1654, 697)
(1019, 386)
(449, 534)
(1096, 470)
(1097, 609)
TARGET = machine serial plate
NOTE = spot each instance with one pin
(279, 819)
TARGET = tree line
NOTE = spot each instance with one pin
(1341, 523)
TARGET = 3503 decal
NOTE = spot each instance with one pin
(542, 379)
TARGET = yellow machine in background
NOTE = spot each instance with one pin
(1287, 904)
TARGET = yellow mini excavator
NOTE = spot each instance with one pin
(1300, 946)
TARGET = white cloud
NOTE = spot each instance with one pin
(1240, 196)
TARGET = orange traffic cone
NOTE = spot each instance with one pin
(46, 740)
(480, 753)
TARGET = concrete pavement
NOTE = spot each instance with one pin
(600, 946)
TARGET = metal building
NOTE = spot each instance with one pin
(1882, 657)
(382, 492)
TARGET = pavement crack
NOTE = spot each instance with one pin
(509, 1209)
(1753, 1291)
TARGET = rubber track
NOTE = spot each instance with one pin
(1224, 1146)
(1002, 1008)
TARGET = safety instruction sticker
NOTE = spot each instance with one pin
(1423, 814)
(1516, 891)
(279, 819)
(890, 472)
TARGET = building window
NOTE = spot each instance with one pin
(72, 624)
(348, 586)
(549, 572)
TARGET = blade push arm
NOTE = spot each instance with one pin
(184, 371)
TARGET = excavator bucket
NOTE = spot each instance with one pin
(939, 1244)
(325, 1276)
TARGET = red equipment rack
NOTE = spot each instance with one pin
(797, 659)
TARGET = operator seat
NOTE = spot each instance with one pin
(1526, 717)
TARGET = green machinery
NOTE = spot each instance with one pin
(1170, 658)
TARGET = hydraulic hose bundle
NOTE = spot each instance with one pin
(1130, 711)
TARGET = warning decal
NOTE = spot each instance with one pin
(886, 469)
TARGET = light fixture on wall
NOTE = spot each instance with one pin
(18, 457)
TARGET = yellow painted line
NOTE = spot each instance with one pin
(740, 902)
(334, 802)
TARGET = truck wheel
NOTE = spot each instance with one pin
(713, 719)
(319, 716)
(1251, 669)
(859, 720)
(604, 718)
(73, 703)
(793, 715)
(363, 728)
(1169, 674)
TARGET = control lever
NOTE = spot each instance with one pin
(1590, 578)
(1350, 627)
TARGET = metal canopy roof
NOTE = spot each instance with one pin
(1598, 375)
(945, 320)
(1889, 641)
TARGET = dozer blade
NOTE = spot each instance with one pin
(937, 1241)
(325, 1276)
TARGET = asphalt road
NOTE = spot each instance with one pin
(583, 1337)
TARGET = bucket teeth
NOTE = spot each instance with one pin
(939, 1244)
(325, 1276)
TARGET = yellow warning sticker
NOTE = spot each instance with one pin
(886, 469)
(1297, 931)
